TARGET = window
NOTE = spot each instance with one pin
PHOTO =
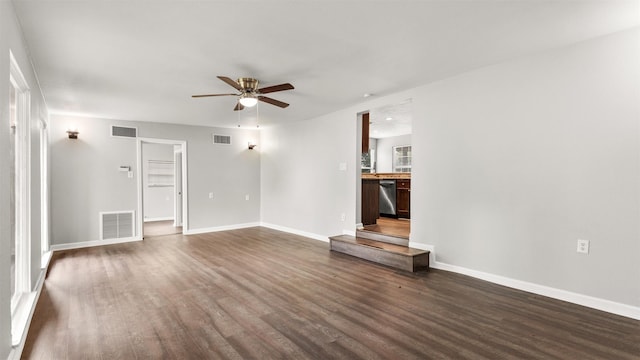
(20, 200)
(402, 158)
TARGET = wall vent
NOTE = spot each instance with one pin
(124, 132)
(116, 225)
(222, 139)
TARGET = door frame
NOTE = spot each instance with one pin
(140, 212)
(178, 194)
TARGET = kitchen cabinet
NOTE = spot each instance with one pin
(370, 204)
(365, 133)
(403, 198)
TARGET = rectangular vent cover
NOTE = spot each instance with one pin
(222, 139)
(116, 225)
(125, 132)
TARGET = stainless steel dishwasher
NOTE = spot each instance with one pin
(388, 198)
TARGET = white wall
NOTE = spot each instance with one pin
(85, 178)
(385, 151)
(524, 158)
(516, 162)
(302, 184)
(11, 40)
(158, 200)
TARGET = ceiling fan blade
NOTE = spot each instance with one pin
(207, 95)
(238, 107)
(273, 101)
(270, 89)
(231, 82)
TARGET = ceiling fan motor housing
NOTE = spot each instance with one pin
(248, 84)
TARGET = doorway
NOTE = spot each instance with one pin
(384, 176)
(161, 187)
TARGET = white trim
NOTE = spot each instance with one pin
(295, 231)
(45, 259)
(185, 181)
(220, 228)
(86, 244)
(166, 218)
(44, 188)
(23, 190)
(575, 298)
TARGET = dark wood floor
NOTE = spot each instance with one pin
(260, 294)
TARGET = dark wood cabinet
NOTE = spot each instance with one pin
(370, 201)
(365, 133)
(403, 198)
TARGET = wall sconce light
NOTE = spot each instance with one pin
(252, 145)
(73, 133)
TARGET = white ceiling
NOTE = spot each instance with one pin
(142, 60)
(390, 120)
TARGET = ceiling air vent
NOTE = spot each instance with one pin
(124, 132)
(116, 225)
(222, 139)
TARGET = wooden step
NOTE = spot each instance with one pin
(391, 239)
(396, 256)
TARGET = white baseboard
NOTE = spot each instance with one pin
(421, 246)
(166, 218)
(295, 232)
(220, 228)
(84, 244)
(568, 296)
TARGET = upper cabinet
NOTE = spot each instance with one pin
(365, 133)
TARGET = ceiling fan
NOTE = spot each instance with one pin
(250, 94)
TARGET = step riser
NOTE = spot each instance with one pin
(398, 261)
(382, 237)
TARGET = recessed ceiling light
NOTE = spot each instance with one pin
(366, 95)
(389, 118)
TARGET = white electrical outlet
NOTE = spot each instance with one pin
(210, 195)
(583, 246)
(130, 174)
(246, 197)
(342, 166)
(343, 217)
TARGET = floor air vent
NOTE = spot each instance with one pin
(125, 132)
(116, 225)
(222, 139)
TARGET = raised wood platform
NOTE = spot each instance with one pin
(393, 255)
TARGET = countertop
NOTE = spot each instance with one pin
(381, 176)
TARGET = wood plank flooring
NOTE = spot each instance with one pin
(262, 294)
(391, 226)
(157, 228)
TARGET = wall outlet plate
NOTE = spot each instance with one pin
(583, 246)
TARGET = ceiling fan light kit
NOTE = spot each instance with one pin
(250, 94)
(248, 100)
